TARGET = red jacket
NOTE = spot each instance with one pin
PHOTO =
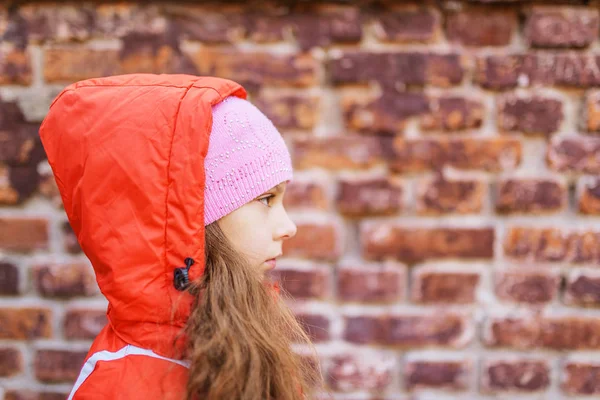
(127, 154)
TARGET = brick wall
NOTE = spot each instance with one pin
(447, 189)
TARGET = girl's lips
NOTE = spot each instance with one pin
(272, 263)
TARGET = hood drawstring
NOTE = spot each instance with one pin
(181, 275)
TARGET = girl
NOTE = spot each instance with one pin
(174, 185)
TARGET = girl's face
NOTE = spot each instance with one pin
(258, 228)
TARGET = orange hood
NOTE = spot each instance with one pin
(128, 154)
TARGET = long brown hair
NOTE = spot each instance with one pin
(240, 334)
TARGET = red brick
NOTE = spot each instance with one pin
(264, 27)
(117, 20)
(532, 115)
(347, 373)
(438, 195)
(57, 23)
(581, 378)
(71, 244)
(306, 194)
(372, 196)
(22, 183)
(58, 365)
(15, 67)
(588, 195)
(534, 196)
(11, 362)
(84, 323)
(552, 245)
(407, 25)
(397, 68)
(486, 154)
(592, 111)
(453, 113)
(583, 288)
(415, 244)
(340, 152)
(448, 375)
(290, 111)
(515, 376)
(448, 330)
(576, 154)
(481, 27)
(526, 286)
(9, 279)
(316, 241)
(210, 25)
(367, 284)
(21, 145)
(31, 395)
(23, 234)
(556, 333)
(25, 323)
(385, 115)
(68, 280)
(576, 70)
(303, 284)
(434, 285)
(561, 26)
(323, 26)
(316, 326)
(255, 69)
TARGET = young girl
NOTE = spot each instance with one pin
(174, 185)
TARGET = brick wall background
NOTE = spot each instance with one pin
(447, 190)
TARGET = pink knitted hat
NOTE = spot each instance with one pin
(246, 157)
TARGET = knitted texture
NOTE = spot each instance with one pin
(246, 157)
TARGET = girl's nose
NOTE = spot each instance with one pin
(288, 228)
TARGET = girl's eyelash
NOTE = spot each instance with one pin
(269, 197)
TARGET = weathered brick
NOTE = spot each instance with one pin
(583, 288)
(265, 27)
(69, 64)
(439, 195)
(58, 23)
(385, 115)
(9, 279)
(487, 154)
(552, 245)
(407, 25)
(434, 285)
(316, 241)
(515, 376)
(563, 69)
(450, 375)
(25, 323)
(11, 362)
(303, 284)
(67, 280)
(556, 333)
(340, 152)
(21, 145)
(290, 111)
(254, 69)
(574, 154)
(481, 27)
(84, 323)
(535, 115)
(411, 331)
(453, 113)
(368, 284)
(15, 66)
(535, 196)
(23, 234)
(211, 25)
(58, 365)
(526, 286)
(306, 194)
(373, 196)
(324, 26)
(592, 111)
(348, 373)
(581, 378)
(8, 194)
(397, 68)
(71, 244)
(317, 326)
(561, 26)
(23, 182)
(31, 395)
(416, 244)
(117, 20)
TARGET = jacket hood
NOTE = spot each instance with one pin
(127, 153)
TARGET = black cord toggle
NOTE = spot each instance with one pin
(181, 275)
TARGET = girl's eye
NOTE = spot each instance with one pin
(266, 200)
